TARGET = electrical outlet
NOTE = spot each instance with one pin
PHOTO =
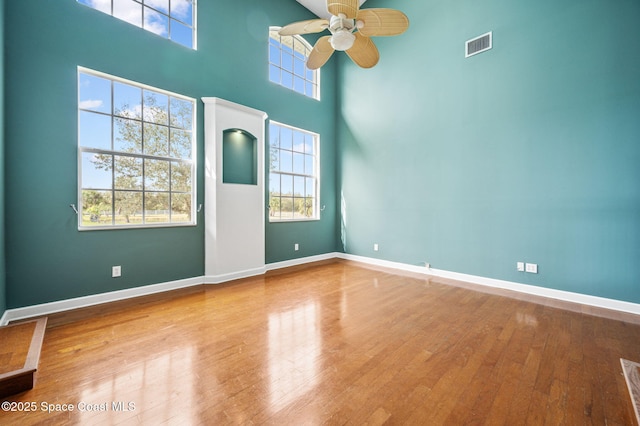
(296, 246)
(116, 271)
(520, 266)
(532, 268)
(375, 247)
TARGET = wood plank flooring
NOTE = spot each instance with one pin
(338, 344)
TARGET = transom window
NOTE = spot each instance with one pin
(171, 19)
(294, 173)
(136, 154)
(287, 64)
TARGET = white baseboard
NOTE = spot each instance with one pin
(567, 296)
(94, 299)
(300, 261)
(81, 302)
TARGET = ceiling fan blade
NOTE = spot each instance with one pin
(320, 54)
(364, 52)
(347, 7)
(382, 22)
(304, 27)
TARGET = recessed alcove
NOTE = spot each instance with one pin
(239, 157)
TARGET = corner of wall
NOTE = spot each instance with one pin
(3, 289)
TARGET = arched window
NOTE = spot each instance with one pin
(287, 58)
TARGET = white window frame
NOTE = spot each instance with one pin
(273, 217)
(147, 9)
(290, 77)
(190, 162)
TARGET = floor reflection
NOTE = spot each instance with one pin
(295, 344)
(157, 388)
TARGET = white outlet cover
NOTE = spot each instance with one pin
(116, 271)
(532, 268)
(520, 266)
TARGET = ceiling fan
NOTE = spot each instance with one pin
(351, 29)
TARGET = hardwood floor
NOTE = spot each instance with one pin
(337, 343)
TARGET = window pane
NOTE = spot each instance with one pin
(298, 141)
(274, 74)
(156, 140)
(128, 208)
(182, 34)
(180, 144)
(102, 6)
(286, 208)
(310, 187)
(95, 93)
(161, 5)
(180, 208)
(180, 177)
(274, 159)
(127, 100)
(156, 23)
(286, 161)
(298, 186)
(274, 183)
(286, 138)
(274, 55)
(286, 185)
(156, 207)
(299, 67)
(181, 113)
(287, 79)
(156, 175)
(128, 136)
(156, 107)
(308, 165)
(309, 89)
(129, 11)
(287, 62)
(274, 136)
(128, 172)
(298, 163)
(96, 170)
(95, 130)
(96, 208)
(182, 10)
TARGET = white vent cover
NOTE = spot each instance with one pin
(478, 44)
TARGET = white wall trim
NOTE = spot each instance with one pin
(567, 296)
(81, 302)
(95, 299)
(223, 278)
(300, 261)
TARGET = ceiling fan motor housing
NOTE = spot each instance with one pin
(342, 32)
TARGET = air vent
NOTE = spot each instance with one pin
(478, 44)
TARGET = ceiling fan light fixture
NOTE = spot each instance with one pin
(342, 40)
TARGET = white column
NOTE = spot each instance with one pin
(233, 213)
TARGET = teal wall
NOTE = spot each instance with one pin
(3, 279)
(528, 152)
(48, 259)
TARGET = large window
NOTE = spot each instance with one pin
(136, 154)
(294, 173)
(287, 64)
(171, 19)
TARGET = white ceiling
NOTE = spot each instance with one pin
(319, 7)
